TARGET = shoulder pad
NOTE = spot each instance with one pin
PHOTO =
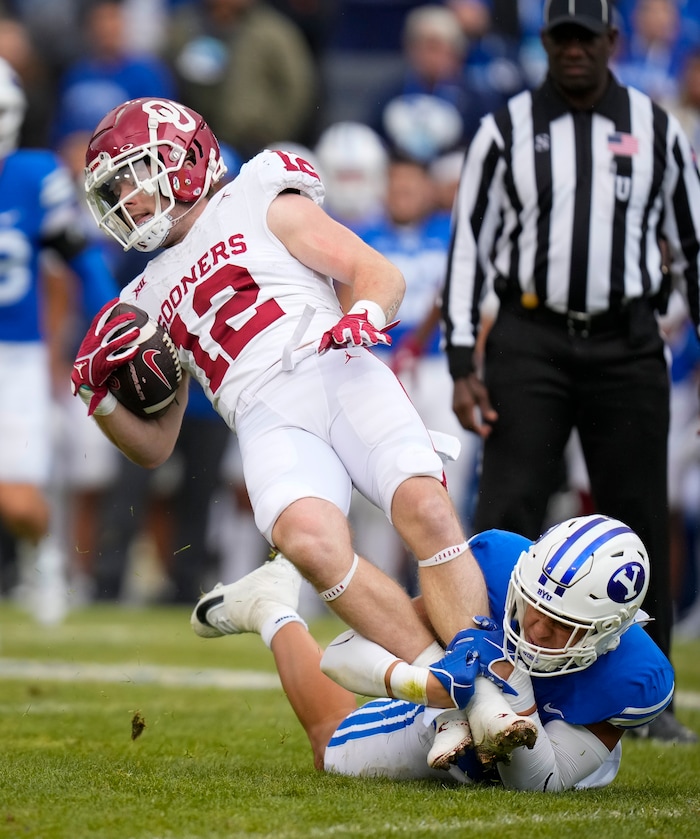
(277, 171)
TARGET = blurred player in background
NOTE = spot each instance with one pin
(38, 213)
(353, 163)
(244, 286)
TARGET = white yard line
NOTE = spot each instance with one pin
(63, 671)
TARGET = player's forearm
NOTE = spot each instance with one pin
(146, 442)
(380, 282)
(563, 755)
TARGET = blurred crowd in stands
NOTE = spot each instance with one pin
(382, 97)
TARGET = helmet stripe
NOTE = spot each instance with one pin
(581, 552)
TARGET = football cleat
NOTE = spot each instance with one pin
(496, 730)
(452, 738)
(245, 605)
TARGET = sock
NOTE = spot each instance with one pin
(272, 625)
(429, 655)
(520, 681)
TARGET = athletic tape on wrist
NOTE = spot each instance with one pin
(331, 593)
(106, 405)
(375, 313)
(445, 555)
(409, 683)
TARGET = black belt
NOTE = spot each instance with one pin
(575, 323)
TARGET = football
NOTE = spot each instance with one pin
(148, 383)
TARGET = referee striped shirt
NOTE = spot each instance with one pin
(569, 207)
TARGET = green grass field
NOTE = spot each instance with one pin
(222, 755)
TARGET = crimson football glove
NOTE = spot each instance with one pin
(102, 351)
(356, 329)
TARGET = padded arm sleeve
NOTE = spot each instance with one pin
(357, 664)
(562, 756)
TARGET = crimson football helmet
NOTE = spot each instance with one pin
(13, 106)
(589, 574)
(155, 146)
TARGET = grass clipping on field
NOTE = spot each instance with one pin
(138, 723)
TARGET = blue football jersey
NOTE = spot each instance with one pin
(419, 251)
(627, 686)
(38, 207)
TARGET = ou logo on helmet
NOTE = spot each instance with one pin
(627, 582)
(166, 111)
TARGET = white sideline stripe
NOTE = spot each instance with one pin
(687, 699)
(64, 671)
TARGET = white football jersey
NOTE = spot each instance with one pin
(238, 305)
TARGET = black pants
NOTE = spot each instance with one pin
(544, 382)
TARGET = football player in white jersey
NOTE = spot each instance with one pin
(574, 654)
(245, 287)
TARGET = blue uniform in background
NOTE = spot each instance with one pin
(419, 251)
(38, 210)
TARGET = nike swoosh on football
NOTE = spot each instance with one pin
(149, 359)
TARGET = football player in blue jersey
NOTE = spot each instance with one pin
(38, 212)
(572, 655)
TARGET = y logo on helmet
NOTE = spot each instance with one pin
(626, 583)
(166, 111)
(149, 359)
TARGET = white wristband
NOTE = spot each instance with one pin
(375, 313)
(106, 406)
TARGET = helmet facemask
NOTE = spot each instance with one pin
(108, 198)
(586, 641)
(163, 151)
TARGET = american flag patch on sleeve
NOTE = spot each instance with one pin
(623, 145)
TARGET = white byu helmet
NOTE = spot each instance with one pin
(353, 166)
(13, 106)
(590, 574)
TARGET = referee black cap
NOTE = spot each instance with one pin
(593, 15)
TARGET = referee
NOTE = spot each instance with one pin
(579, 204)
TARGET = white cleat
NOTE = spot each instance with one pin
(496, 730)
(244, 606)
(452, 738)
